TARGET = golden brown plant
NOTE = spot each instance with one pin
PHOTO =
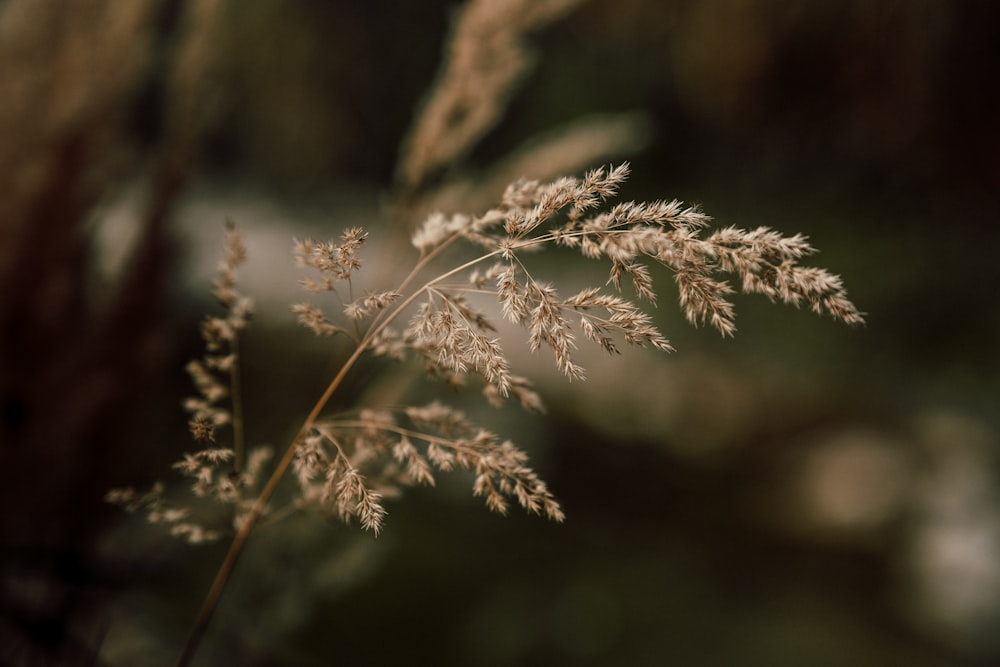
(347, 462)
(342, 460)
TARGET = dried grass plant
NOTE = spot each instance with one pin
(346, 462)
(72, 75)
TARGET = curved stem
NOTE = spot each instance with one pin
(239, 542)
(232, 556)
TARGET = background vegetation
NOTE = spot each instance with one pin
(803, 493)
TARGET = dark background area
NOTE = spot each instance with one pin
(804, 493)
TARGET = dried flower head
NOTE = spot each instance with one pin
(630, 237)
(348, 464)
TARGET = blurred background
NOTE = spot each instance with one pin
(805, 493)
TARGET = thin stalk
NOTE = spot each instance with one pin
(229, 563)
(239, 542)
(236, 398)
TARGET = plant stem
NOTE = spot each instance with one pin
(237, 403)
(239, 542)
(229, 563)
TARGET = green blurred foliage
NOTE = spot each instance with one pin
(714, 514)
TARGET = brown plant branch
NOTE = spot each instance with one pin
(236, 549)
